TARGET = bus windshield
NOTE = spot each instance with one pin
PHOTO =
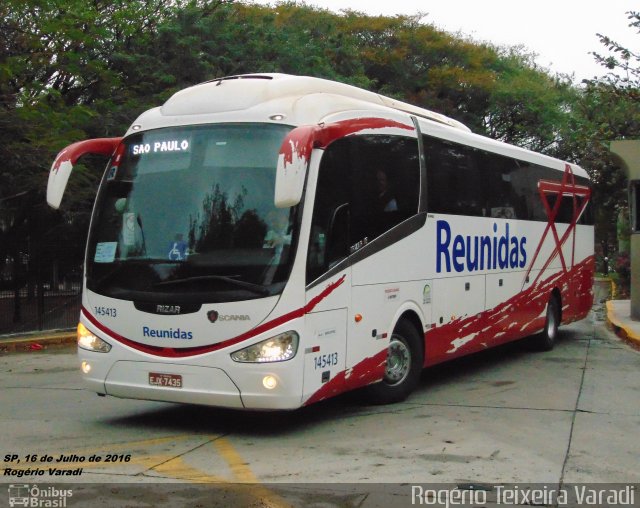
(187, 215)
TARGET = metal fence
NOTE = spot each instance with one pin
(41, 256)
(29, 310)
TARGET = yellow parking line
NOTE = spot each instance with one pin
(238, 466)
(243, 474)
(175, 467)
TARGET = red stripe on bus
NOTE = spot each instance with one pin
(101, 146)
(338, 130)
(170, 352)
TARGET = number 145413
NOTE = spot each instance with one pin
(324, 361)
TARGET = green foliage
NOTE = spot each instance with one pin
(608, 109)
(528, 107)
(71, 69)
(622, 63)
(57, 79)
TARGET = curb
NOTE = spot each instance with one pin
(622, 329)
(20, 344)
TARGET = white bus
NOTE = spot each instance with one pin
(269, 241)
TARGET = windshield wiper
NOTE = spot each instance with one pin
(120, 264)
(255, 288)
(141, 260)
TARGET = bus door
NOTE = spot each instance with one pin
(385, 175)
(328, 281)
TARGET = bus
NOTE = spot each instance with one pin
(19, 495)
(268, 241)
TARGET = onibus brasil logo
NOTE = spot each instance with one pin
(40, 497)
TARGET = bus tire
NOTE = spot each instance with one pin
(404, 365)
(545, 340)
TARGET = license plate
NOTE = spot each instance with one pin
(170, 380)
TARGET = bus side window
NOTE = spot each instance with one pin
(503, 188)
(366, 185)
(454, 179)
(386, 183)
(329, 238)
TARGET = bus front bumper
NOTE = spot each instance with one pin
(209, 386)
(197, 385)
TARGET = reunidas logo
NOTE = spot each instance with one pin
(37, 497)
(171, 333)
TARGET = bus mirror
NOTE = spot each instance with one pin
(293, 161)
(65, 160)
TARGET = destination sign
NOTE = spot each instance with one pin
(167, 146)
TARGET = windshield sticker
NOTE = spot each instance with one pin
(171, 145)
(177, 251)
(128, 228)
(105, 252)
(113, 171)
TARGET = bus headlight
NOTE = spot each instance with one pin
(88, 341)
(275, 349)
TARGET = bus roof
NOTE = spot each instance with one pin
(304, 100)
(294, 100)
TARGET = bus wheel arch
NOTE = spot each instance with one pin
(404, 362)
(412, 318)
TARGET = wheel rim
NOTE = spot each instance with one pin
(398, 361)
(552, 322)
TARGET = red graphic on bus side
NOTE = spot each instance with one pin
(302, 140)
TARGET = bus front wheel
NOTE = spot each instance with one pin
(402, 371)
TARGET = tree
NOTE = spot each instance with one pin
(71, 69)
(623, 64)
(528, 107)
(56, 75)
(608, 109)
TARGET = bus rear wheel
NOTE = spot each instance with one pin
(404, 364)
(547, 338)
